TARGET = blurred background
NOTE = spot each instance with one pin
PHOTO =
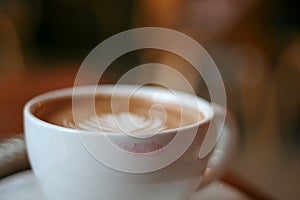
(255, 44)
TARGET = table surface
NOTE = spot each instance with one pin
(17, 89)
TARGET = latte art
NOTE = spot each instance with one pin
(123, 122)
(141, 115)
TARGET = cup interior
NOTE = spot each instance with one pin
(155, 94)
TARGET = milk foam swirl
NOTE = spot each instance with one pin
(123, 122)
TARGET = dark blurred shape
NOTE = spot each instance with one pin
(66, 30)
(288, 82)
(285, 14)
(71, 29)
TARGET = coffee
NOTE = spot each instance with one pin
(138, 115)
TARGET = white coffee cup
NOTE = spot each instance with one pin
(68, 165)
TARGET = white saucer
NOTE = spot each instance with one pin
(24, 186)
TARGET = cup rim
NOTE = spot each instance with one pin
(66, 92)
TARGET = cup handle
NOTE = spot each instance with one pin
(222, 152)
